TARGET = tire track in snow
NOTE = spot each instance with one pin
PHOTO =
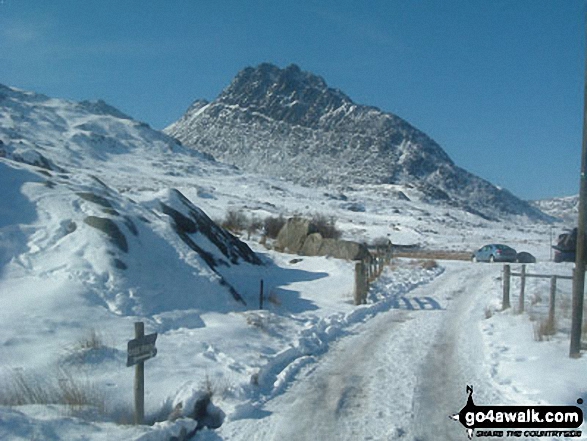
(456, 359)
(342, 396)
(399, 376)
(363, 388)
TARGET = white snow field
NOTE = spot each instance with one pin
(310, 365)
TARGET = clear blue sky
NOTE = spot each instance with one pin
(497, 83)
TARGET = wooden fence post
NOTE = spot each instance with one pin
(366, 284)
(359, 282)
(139, 386)
(551, 308)
(522, 289)
(506, 287)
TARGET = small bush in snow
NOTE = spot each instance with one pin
(326, 226)
(235, 221)
(429, 264)
(544, 329)
(93, 340)
(60, 388)
(255, 224)
(90, 348)
(273, 225)
(535, 299)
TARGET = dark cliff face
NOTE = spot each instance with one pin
(288, 123)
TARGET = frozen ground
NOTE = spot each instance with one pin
(401, 373)
(311, 365)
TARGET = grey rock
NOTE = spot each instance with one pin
(299, 236)
(109, 227)
(312, 245)
(293, 234)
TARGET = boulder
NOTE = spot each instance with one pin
(312, 245)
(299, 236)
(293, 234)
(343, 249)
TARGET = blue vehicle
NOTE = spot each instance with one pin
(495, 253)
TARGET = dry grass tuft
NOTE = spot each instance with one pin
(433, 254)
(544, 329)
(429, 264)
(61, 388)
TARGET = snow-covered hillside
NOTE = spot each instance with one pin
(288, 123)
(566, 208)
(105, 222)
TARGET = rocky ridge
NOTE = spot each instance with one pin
(288, 123)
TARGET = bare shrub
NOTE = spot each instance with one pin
(235, 221)
(93, 340)
(77, 393)
(535, 299)
(429, 264)
(89, 348)
(204, 410)
(544, 329)
(273, 225)
(326, 226)
(209, 388)
(255, 224)
(256, 321)
(23, 389)
(263, 320)
(61, 388)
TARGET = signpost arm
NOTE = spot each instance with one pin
(139, 386)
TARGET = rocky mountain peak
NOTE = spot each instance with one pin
(290, 94)
(289, 124)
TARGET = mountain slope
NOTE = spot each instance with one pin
(58, 219)
(290, 124)
(565, 208)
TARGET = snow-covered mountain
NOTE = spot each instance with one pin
(564, 208)
(65, 169)
(288, 123)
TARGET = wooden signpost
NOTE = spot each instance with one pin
(139, 350)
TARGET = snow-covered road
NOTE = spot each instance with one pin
(398, 376)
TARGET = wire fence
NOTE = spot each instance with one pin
(545, 298)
